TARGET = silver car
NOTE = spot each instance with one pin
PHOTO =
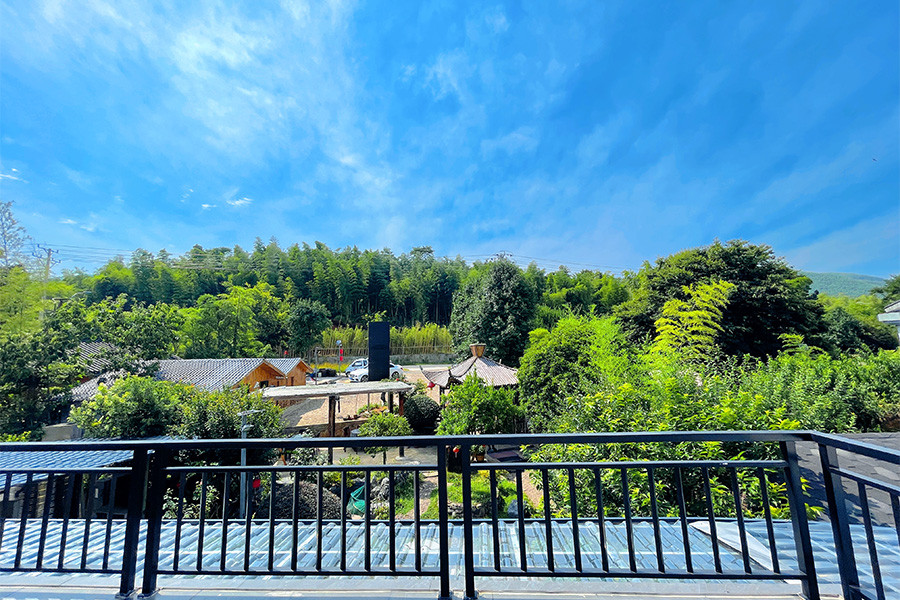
(396, 372)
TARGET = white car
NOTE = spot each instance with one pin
(396, 372)
(359, 363)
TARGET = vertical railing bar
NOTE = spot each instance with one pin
(548, 523)
(226, 491)
(26, 508)
(523, 560)
(418, 521)
(870, 539)
(67, 508)
(443, 524)
(799, 524)
(895, 506)
(629, 525)
(465, 455)
(344, 521)
(495, 523)
(155, 498)
(392, 542)
(90, 502)
(682, 517)
(739, 515)
(770, 528)
(711, 517)
(248, 521)
(137, 495)
(179, 518)
(45, 520)
(201, 526)
(5, 506)
(367, 557)
(319, 515)
(601, 520)
(573, 507)
(295, 525)
(654, 515)
(272, 484)
(109, 519)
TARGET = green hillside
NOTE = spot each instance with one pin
(849, 284)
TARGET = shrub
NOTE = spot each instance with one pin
(422, 412)
(307, 499)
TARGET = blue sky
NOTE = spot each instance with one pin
(604, 133)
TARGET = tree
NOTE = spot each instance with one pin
(384, 425)
(495, 308)
(12, 238)
(474, 407)
(890, 291)
(305, 323)
(769, 298)
(132, 407)
(580, 356)
(689, 327)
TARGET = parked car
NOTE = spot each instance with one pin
(396, 372)
(359, 363)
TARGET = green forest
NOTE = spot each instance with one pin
(729, 313)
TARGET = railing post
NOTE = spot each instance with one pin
(155, 495)
(443, 524)
(465, 452)
(133, 523)
(799, 522)
(840, 526)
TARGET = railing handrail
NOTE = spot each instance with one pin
(859, 447)
(151, 466)
(426, 440)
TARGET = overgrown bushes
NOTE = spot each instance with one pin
(422, 412)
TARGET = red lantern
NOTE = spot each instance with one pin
(256, 483)
(430, 385)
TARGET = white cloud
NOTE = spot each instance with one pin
(68, 222)
(523, 139)
(118, 200)
(448, 74)
(239, 201)
(207, 206)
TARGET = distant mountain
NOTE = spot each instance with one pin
(849, 284)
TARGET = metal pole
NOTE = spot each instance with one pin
(245, 427)
(243, 464)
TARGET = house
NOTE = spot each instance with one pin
(891, 315)
(490, 371)
(211, 374)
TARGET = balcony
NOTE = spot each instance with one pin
(151, 518)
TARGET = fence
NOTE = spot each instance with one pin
(260, 520)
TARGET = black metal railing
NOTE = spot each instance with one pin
(840, 483)
(517, 519)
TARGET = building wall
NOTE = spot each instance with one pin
(263, 376)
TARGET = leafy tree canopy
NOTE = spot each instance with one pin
(769, 298)
(496, 307)
(474, 407)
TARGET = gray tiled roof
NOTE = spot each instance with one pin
(285, 365)
(92, 354)
(209, 374)
(491, 372)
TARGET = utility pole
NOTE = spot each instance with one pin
(44, 254)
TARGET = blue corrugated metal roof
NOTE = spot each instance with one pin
(820, 532)
(61, 459)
